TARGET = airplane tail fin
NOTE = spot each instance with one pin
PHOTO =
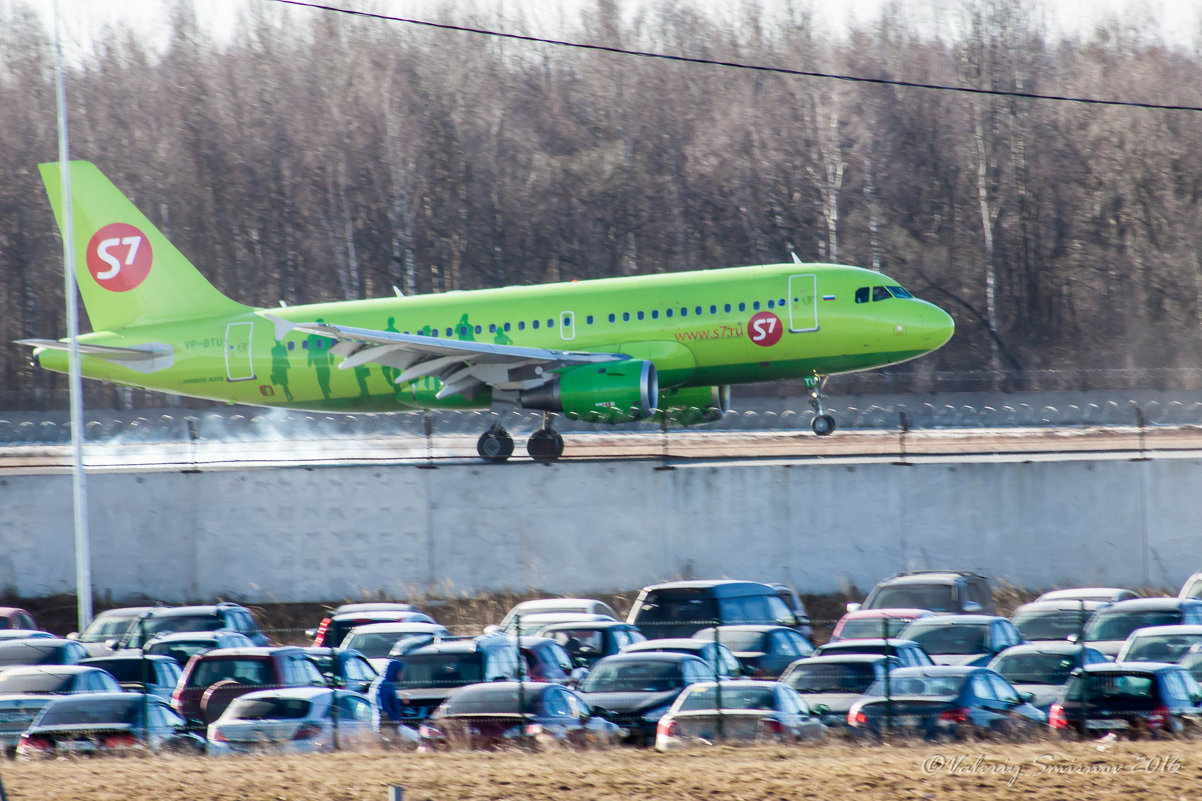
(127, 270)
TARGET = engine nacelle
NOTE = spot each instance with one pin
(689, 406)
(613, 392)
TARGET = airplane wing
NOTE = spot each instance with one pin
(463, 367)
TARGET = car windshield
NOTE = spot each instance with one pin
(377, 645)
(957, 638)
(925, 686)
(869, 628)
(832, 678)
(269, 708)
(441, 670)
(1050, 624)
(33, 683)
(128, 669)
(935, 597)
(107, 626)
(249, 672)
(1112, 687)
(89, 710)
(160, 625)
(1162, 647)
(17, 652)
(1108, 625)
(1036, 668)
(179, 651)
(738, 640)
(489, 700)
(634, 677)
(663, 611)
(728, 697)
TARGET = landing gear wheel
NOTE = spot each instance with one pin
(545, 445)
(823, 425)
(495, 444)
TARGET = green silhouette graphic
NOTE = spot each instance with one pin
(390, 373)
(502, 338)
(466, 334)
(319, 359)
(279, 367)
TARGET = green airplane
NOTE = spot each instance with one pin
(608, 350)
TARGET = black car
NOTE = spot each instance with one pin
(680, 608)
(908, 652)
(145, 673)
(205, 617)
(945, 701)
(722, 661)
(429, 674)
(527, 714)
(108, 723)
(586, 642)
(1132, 699)
(950, 592)
(41, 651)
(1110, 626)
(635, 690)
(764, 651)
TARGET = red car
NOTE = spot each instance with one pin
(866, 624)
(13, 618)
(214, 678)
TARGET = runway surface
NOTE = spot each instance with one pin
(677, 449)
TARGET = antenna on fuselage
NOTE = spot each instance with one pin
(398, 291)
(795, 259)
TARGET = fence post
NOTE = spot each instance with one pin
(428, 424)
(888, 681)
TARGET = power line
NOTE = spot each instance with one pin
(742, 66)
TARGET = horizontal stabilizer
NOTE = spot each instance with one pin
(148, 358)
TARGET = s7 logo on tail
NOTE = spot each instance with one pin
(119, 257)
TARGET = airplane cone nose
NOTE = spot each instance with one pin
(933, 328)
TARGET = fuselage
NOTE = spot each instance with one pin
(704, 328)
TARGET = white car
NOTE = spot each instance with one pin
(294, 719)
(1161, 644)
(587, 606)
(380, 642)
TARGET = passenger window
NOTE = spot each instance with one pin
(1003, 689)
(755, 306)
(668, 313)
(726, 308)
(782, 644)
(534, 324)
(612, 318)
(506, 326)
(698, 311)
(880, 293)
(862, 294)
(589, 319)
(521, 325)
(771, 304)
(625, 317)
(742, 307)
(555, 705)
(983, 689)
(684, 312)
(640, 315)
(551, 323)
(655, 314)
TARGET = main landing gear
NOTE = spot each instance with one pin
(544, 445)
(823, 424)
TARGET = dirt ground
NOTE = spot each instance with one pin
(1044, 771)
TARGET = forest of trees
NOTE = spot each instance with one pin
(322, 156)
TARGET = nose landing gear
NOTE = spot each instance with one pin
(823, 424)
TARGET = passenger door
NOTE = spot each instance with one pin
(803, 303)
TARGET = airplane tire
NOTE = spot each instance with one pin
(495, 444)
(823, 425)
(545, 445)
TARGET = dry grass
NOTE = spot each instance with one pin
(1050, 770)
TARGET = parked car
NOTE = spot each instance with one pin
(1054, 619)
(12, 617)
(428, 674)
(635, 690)
(212, 679)
(508, 713)
(764, 651)
(379, 642)
(154, 674)
(334, 629)
(948, 592)
(204, 617)
(963, 639)
(737, 712)
(1192, 587)
(1161, 644)
(721, 660)
(868, 624)
(41, 651)
(945, 702)
(24, 691)
(534, 622)
(345, 668)
(1110, 626)
(108, 723)
(25, 634)
(831, 684)
(1107, 595)
(797, 606)
(1042, 668)
(101, 636)
(302, 720)
(908, 652)
(546, 660)
(681, 608)
(586, 606)
(1131, 699)
(183, 645)
(588, 642)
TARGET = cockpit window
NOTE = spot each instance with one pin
(880, 293)
(862, 295)
(898, 292)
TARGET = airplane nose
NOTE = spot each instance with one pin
(931, 327)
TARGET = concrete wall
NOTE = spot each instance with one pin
(295, 534)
